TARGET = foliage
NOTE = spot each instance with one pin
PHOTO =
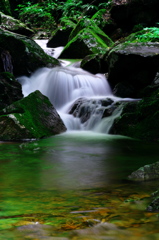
(145, 35)
(47, 13)
(39, 14)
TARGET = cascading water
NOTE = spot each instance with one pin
(71, 88)
(66, 85)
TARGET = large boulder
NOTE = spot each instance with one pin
(23, 54)
(10, 90)
(33, 117)
(139, 119)
(11, 24)
(135, 12)
(133, 64)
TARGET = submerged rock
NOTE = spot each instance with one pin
(84, 108)
(10, 90)
(25, 55)
(154, 205)
(33, 117)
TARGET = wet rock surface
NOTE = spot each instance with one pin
(33, 117)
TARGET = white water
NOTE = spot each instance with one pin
(65, 85)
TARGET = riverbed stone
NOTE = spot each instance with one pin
(154, 205)
(10, 89)
(134, 64)
(25, 55)
(147, 172)
(33, 117)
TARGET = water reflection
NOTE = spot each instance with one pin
(50, 175)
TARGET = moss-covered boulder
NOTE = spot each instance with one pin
(10, 90)
(33, 117)
(139, 119)
(89, 40)
(24, 54)
(133, 64)
(11, 24)
(147, 172)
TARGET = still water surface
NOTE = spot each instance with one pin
(64, 181)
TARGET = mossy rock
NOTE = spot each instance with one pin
(33, 117)
(147, 172)
(11, 24)
(10, 90)
(139, 119)
(89, 40)
(26, 56)
(133, 63)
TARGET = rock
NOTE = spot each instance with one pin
(25, 55)
(90, 39)
(148, 172)
(124, 90)
(154, 205)
(103, 231)
(60, 38)
(84, 108)
(135, 63)
(135, 12)
(10, 90)
(139, 119)
(33, 117)
(11, 24)
(94, 63)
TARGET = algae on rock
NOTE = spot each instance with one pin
(26, 55)
(32, 117)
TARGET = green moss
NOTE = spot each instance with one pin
(141, 122)
(32, 117)
(27, 56)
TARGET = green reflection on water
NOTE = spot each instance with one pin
(45, 181)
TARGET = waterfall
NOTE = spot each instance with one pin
(66, 86)
(84, 101)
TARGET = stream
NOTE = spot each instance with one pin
(54, 186)
(57, 188)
